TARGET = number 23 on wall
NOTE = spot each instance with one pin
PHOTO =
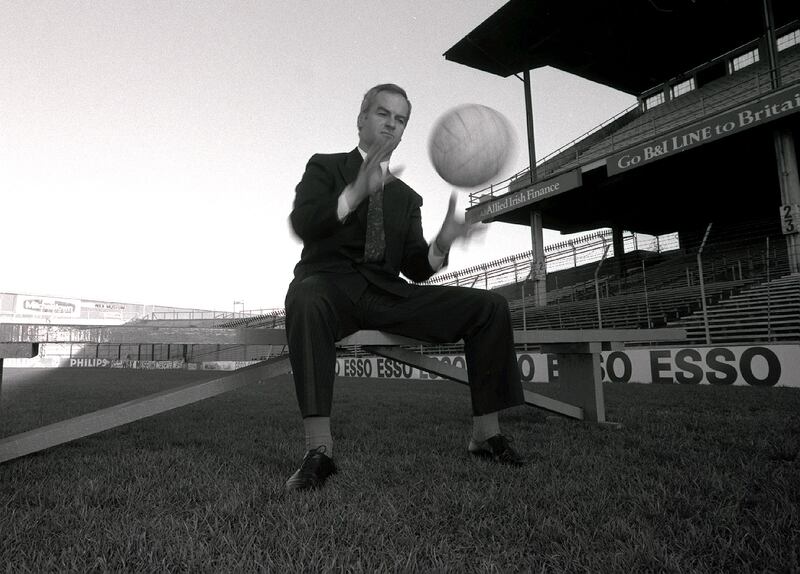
(790, 218)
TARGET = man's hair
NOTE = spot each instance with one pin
(369, 97)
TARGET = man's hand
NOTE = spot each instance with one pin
(370, 176)
(454, 229)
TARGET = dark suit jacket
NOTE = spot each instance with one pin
(333, 246)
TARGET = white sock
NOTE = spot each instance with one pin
(485, 426)
(318, 433)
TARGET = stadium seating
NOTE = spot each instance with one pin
(633, 310)
(274, 320)
(666, 288)
(768, 312)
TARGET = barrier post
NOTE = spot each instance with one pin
(769, 298)
(702, 284)
(597, 288)
(646, 302)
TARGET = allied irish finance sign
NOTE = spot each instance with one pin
(514, 200)
(772, 107)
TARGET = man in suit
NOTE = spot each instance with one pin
(361, 227)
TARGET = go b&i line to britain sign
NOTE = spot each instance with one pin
(538, 191)
(772, 107)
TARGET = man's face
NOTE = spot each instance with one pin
(386, 118)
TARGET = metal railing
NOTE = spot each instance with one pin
(180, 314)
(559, 256)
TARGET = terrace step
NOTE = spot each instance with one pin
(769, 311)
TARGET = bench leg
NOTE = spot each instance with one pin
(459, 375)
(582, 384)
(64, 431)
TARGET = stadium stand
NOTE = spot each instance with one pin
(638, 123)
(660, 288)
(274, 320)
(767, 312)
(667, 288)
(645, 288)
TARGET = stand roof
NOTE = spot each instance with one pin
(629, 46)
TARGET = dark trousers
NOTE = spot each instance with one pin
(319, 313)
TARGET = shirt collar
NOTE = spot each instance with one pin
(384, 164)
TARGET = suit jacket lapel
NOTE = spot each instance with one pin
(349, 170)
(352, 163)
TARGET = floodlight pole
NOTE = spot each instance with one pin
(526, 78)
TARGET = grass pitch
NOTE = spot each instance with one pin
(699, 479)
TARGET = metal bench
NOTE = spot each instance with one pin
(577, 352)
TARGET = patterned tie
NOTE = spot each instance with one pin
(376, 242)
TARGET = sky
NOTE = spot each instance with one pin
(149, 149)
